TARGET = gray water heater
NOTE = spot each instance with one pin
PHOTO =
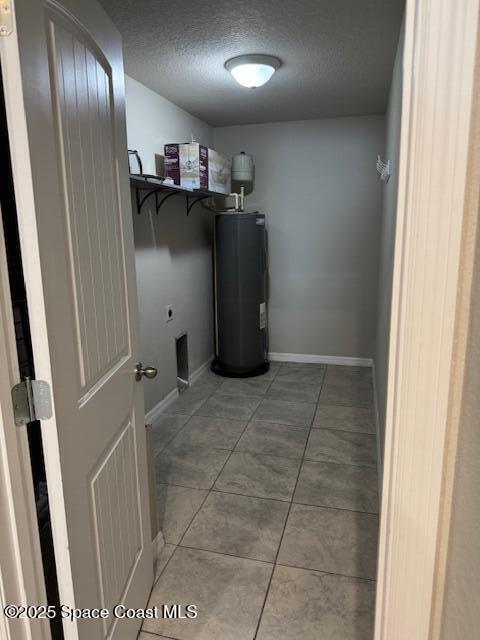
(240, 273)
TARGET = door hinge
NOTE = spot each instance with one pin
(6, 18)
(31, 401)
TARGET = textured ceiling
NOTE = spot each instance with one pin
(337, 55)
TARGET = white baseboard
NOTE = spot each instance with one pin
(378, 434)
(170, 398)
(157, 545)
(159, 408)
(198, 372)
(303, 357)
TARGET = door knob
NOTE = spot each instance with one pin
(148, 372)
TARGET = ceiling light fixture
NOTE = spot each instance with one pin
(252, 70)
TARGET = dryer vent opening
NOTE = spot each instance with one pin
(181, 347)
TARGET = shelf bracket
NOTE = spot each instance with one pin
(141, 201)
(159, 204)
(190, 205)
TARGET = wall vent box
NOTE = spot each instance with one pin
(194, 166)
(181, 349)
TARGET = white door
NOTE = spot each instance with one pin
(64, 86)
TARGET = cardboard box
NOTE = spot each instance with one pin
(194, 166)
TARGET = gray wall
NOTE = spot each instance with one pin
(317, 183)
(392, 150)
(173, 252)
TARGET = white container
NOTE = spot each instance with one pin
(242, 168)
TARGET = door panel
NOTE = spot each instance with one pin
(118, 538)
(81, 88)
(65, 73)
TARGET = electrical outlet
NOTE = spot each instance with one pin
(169, 312)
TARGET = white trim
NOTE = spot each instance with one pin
(157, 545)
(314, 359)
(378, 432)
(170, 398)
(440, 49)
(154, 413)
(201, 369)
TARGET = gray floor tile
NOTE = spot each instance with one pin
(217, 433)
(317, 606)
(255, 387)
(294, 391)
(272, 372)
(329, 416)
(299, 372)
(353, 395)
(164, 429)
(208, 379)
(239, 526)
(196, 467)
(343, 375)
(342, 486)
(233, 407)
(312, 366)
(229, 593)
(162, 559)
(190, 400)
(293, 413)
(274, 439)
(149, 636)
(326, 445)
(331, 540)
(176, 508)
(259, 476)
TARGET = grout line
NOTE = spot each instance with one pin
(210, 490)
(247, 495)
(345, 406)
(297, 427)
(156, 635)
(291, 502)
(274, 564)
(286, 520)
(329, 573)
(360, 433)
(229, 555)
(340, 464)
(206, 496)
(256, 497)
(279, 564)
(361, 465)
(190, 416)
(268, 455)
(323, 506)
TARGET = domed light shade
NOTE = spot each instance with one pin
(252, 70)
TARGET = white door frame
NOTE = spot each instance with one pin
(21, 570)
(439, 64)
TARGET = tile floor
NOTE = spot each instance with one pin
(267, 493)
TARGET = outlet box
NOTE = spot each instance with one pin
(169, 312)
